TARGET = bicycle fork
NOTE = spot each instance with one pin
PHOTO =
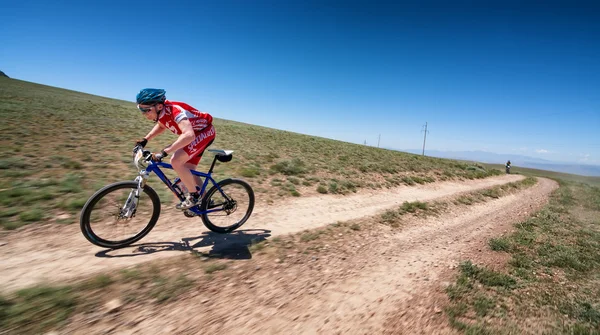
(128, 210)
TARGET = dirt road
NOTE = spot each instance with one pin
(373, 281)
(55, 253)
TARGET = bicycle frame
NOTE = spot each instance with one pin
(155, 168)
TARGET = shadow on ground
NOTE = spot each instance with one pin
(208, 244)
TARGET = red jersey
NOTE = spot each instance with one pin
(175, 111)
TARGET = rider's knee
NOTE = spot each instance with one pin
(179, 160)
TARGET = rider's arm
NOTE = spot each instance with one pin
(186, 137)
(157, 130)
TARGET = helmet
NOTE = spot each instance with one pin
(149, 96)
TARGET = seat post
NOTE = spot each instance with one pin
(212, 165)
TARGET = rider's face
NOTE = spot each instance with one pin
(149, 111)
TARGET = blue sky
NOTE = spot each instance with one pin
(512, 77)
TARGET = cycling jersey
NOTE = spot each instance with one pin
(174, 112)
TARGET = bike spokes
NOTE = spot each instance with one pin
(229, 207)
(118, 216)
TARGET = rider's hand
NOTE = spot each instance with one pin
(157, 157)
(140, 144)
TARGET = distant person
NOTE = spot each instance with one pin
(508, 167)
(195, 130)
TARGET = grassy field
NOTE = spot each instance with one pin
(59, 146)
(551, 284)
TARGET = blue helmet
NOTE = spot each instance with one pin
(149, 96)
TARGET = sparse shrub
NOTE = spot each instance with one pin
(322, 189)
(412, 207)
(309, 236)
(215, 267)
(499, 244)
(98, 282)
(465, 200)
(521, 261)
(166, 289)
(14, 195)
(250, 172)
(75, 165)
(257, 246)
(76, 204)
(48, 306)
(408, 180)
(418, 180)
(475, 168)
(389, 216)
(487, 277)
(71, 183)
(491, 193)
(13, 163)
(293, 167)
(483, 305)
(32, 215)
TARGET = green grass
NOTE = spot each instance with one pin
(551, 279)
(37, 309)
(499, 244)
(413, 207)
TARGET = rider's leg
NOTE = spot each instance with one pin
(180, 165)
(192, 166)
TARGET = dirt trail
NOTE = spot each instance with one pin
(372, 282)
(55, 253)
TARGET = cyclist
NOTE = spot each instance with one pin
(195, 129)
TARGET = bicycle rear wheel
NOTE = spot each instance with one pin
(231, 206)
(102, 221)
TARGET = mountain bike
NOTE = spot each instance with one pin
(122, 213)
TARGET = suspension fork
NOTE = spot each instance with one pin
(128, 210)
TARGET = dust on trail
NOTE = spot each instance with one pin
(55, 253)
(382, 286)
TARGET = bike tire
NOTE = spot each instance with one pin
(214, 192)
(95, 238)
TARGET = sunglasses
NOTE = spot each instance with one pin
(146, 109)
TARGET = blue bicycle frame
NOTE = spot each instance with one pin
(155, 167)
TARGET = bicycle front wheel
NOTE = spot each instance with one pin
(230, 205)
(102, 219)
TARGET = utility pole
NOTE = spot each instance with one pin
(379, 139)
(425, 138)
